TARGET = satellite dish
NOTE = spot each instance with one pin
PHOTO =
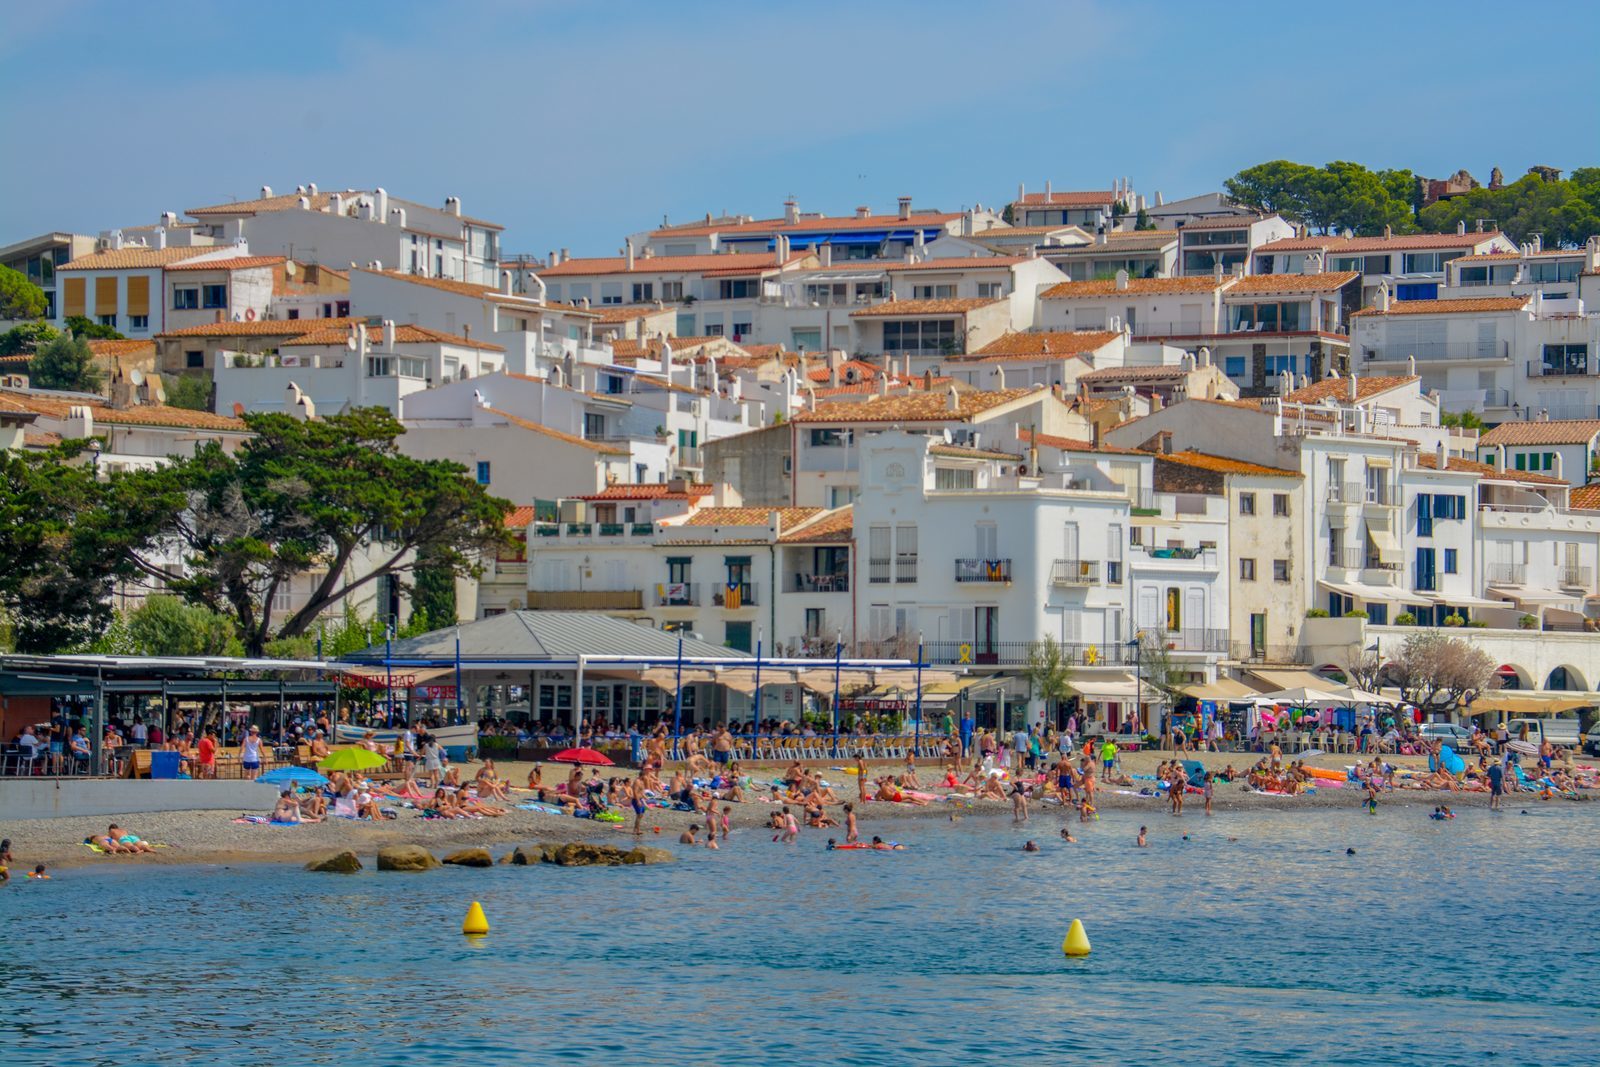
(289, 268)
(136, 376)
(157, 390)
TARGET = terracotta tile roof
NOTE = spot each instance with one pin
(122, 349)
(1223, 465)
(828, 526)
(1118, 241)
(630, 348)
(448, 285)
(8, 406)
(286, 202)
(233, 263)
(261, 328)
(1501, 257)
(958, 306)
(519, 518)
(1018, 231)
(139, 415)
(579, 267)
(922, 407)
(1136, 287)
(1132, 374)
(1073, 444)
(571, 439)
(897, 386)
(1399, 242)
(955, 263)
(648, 491)
(814, 224)
(1291, 283)
(1225, 222)
(1339, 388)
(1052, 344)
(861, 367)
(610, 313)
(787, 517)
(1550, 432)
(405, 333)
(1585, 497)
(963, 452)
(40, 438)
(136, 258)
(1065, 198)
(1449, 307)
(1489, 471)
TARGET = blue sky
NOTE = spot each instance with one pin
(575, 123)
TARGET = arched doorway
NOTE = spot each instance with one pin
(1511, 677)
(1564, 677)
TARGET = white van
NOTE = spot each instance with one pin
(1558, 730)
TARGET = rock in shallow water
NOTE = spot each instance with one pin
(470, 857)
(336, 863)
(405, 858)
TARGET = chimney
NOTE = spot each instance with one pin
(566, 254)
(1205, 356)
(927, 380)
(266, 192)
(1047, 191)
(905, 207)
(552, 259)
(161, 237)
(1442, 456)
(1022, 192)
(505, 283)
(382, 212)
(627, 254)
(791, 211)
(1216, 271)
(666, 359)
(336, 204)
(1383, 297)
(863, 211)
(1554, 471)
(999, 377)
(1100, 237)
(883, 384)
(1164, 443)
(1285, 384)
(1352, 389)
(1122, 280)
(1314, 263)
(833, 372)
(1411, 366)
(1461, 228)
(452, 204)
(1480, 225)
(79, 424)
(825, 252)
(388, 335)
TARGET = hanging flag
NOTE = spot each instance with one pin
(734, 597)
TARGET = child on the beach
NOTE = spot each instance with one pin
(1372, 797)
(1209, 788)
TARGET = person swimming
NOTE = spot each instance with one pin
(1066, 835)
(1030, 847)
(1141, 842)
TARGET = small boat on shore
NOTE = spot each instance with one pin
(453, 738)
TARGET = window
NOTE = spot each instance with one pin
(736, 289)
(816, 622)
(1280, 570)
(610, 292)
(1536, 461)
(905, 553)
(109, 320)
(1424, 515)
(643, 292)
(594, 426)
(1280, 504)
(736, 635)
(1247, 503)
(194, 360)
(294, 313)
(742, 330)
(1113, 572)
(830, 438)
(1233, 366)
(933, 292)
(1450, 561)
(1565, 359)
(483, 472)
(1426, 579)
(991, 290)
(878, 554)
(930, 337)
(955, 478)
(672, 291)
(213, 296)
(1247, 570)
(186, 299)
(1426, 262)
(138, 322)
(343, 308)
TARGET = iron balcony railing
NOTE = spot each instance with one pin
(1506, 573)
(1074, 572)
(983, 570)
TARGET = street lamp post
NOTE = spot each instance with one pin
(1138, 679)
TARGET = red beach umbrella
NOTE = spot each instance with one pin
(585, 756)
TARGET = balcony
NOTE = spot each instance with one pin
(1506, 573)
(1347, 493)
(1075, 572)
(735, 596)
(983, 570)
(1078, 654)
(1355, 559)
(1442, 351)
(689, 456)
(675, 595)
(902, 570)
(586, 600)
(803, 582)
(1576, 369)
(1576, 577)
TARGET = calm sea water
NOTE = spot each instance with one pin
(1436, 943)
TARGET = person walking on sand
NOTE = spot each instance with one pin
(851, 834)
(1108, 755)
(861, 778)
(1019, 802)
(1497, 785)
(1209, 788)
(1177, 785)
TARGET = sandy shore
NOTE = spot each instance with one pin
(212, 837)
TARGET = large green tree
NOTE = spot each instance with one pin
(1561, 212)
(334, 497)
(20, 299)
(25, 338)
(1338, 196)
(166, 626)
(82, 326)
(65, 362)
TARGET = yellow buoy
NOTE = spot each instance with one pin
(478, 923)
(1077, 942)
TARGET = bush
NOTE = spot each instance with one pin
(1528, 622)
(1405, 618)
(1454, 620)
(1356, 613)
(497, 746)
(1317, 613)
(189, 391)
(1477, 624)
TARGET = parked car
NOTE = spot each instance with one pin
(1457, 737)
(1591, 740)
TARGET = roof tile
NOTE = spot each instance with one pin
(1548, 432)
(1449, 307)
(919, 407)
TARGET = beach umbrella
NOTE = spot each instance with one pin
(292, 776)
(586, 756)
(354, 758)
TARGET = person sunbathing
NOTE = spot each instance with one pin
(991, 789)
(313, 808)
(560, 800)
(473, 805)
(452, 777)
(817, 818)
(118, 840)
(286, 810)
(367, 807)
(490, 784)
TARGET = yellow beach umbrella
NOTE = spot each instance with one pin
(353, 758)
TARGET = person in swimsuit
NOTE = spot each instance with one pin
(636, 798)
(851, 835)
(1209, 788)
(286, 810)
(1141, 842)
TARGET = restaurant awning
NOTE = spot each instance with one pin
(1383, 594)
(400, 677)
(1221, 689)
(1120, 687)
(743, 679)
(668, 677)
(1526, 704)
(821, 681)
(1271, 681)
(1459, 600)
(1533, 594)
